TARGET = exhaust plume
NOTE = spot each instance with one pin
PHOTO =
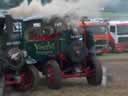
(19, 10)
(59, 8)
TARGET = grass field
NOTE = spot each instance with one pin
(113, 56)
(79, 87)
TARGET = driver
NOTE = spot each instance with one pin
(87, 38)
(76, 52)
(84, 46)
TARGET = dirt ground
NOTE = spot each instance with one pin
(117, 66)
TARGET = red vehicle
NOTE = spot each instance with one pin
(99, 29)
(48, 46)
(118, 35)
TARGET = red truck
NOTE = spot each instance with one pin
(118, 35)
(100, 31)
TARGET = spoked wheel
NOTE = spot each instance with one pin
(29, 79)
(53, 75)
(96, 77)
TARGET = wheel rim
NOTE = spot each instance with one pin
(51, 75)
(26, 80)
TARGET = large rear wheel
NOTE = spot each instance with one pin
(53, 75)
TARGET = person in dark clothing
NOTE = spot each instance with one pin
(2, 45)
(90, 42)
(2, 53)
(76, 52)
(2, 33)
(80, 46)
(88, 38)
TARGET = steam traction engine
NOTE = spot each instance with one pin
(61, 52)
(17, 69)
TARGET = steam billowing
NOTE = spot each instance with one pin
(59, 8)
(20, 10)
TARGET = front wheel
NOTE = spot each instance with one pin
(30, 78)
(96, 77)
(53, 75)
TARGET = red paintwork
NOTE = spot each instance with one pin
(121, 47)
(43, 37)
(96, 36)
(51, 74)
(102, 50)
(86, 73)
(100, 36)
(61, 56)
(26, 80)
(23, 83)
(9, 78)
(91, 23)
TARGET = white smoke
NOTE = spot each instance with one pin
(34, 8)
(59, 8)
(81, 7)
(19, 10)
